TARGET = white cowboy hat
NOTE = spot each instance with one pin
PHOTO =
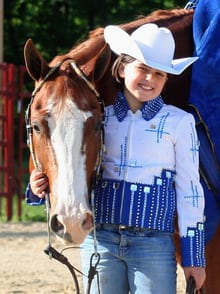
(149, 44)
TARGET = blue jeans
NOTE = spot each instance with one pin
(132, 261)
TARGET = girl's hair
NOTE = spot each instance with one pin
(123, 59)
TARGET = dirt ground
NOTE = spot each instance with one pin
(26, 269)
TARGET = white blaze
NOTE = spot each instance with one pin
(66, 137)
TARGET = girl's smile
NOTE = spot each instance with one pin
(141, 83)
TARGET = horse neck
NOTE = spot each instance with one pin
(175, 19)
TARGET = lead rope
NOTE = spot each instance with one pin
(92, 270)
(95, 258)
(47, 204)
(94, 230)
(93, 264)
(190, 289)
(53, 253)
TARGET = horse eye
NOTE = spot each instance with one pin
(36, 127)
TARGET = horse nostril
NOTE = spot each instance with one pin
(56, 226)
(87, 223)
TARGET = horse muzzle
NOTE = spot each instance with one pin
(71, 230)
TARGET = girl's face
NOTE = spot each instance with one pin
(141, 83)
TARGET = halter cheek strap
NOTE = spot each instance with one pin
(83, 77)
(81, 74)
(29, 127)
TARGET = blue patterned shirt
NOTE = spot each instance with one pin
(150, 173)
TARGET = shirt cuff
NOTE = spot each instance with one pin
(31, 198)
(193, 247)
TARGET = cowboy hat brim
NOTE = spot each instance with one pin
(121, 42)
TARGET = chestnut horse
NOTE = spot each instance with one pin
(65, 118)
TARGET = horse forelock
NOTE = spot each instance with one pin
(67, 85)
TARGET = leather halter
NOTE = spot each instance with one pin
(52, 252)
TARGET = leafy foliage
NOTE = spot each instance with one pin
(56, 25)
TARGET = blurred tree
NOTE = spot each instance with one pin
(56, 25)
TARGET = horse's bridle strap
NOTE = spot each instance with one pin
(82, 76)
(29, 128)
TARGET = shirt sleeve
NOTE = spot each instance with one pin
(190, 195)
(31, 198)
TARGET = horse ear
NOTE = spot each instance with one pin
(102, 63)
(36, 65)
(96, 67)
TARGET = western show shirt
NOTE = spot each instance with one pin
(150, 173)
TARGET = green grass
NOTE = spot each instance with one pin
(33, 213)
(28, 213)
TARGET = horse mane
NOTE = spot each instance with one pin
(174, 17)
(83, 51)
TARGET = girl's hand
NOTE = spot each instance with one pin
(39, 183)
(198, 273)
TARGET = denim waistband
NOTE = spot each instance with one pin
(121, 228)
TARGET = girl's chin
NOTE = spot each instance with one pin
(145, 98)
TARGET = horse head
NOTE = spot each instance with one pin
(64, 122)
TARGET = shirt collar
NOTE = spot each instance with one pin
(149, 109)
